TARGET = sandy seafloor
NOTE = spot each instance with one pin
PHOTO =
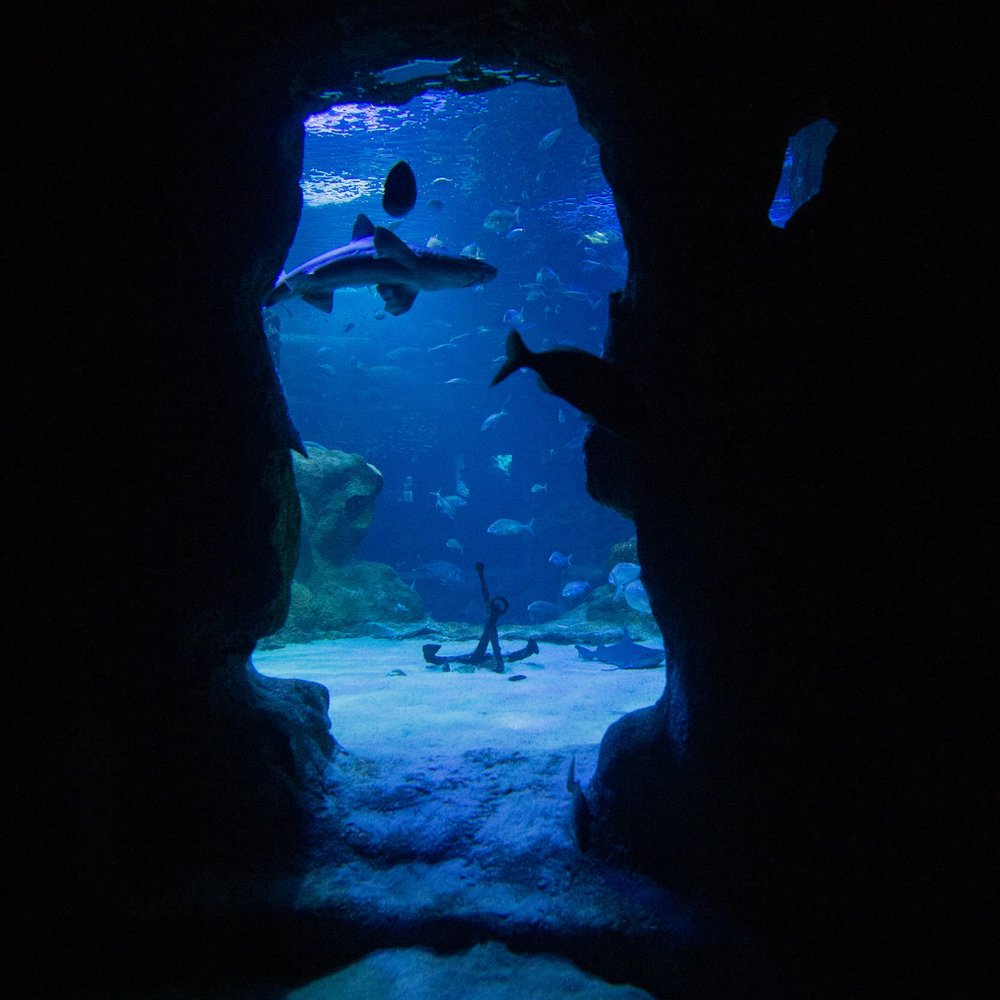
(451, 803)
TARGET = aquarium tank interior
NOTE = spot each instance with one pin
(466, 473)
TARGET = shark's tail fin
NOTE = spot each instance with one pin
(518, 356)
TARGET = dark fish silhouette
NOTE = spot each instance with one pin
(377, 256)
(624, 654)
(399, 193)
(594, 386)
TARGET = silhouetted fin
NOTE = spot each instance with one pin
(321, 300)
(398, 298)
(388, 244)
(363, 226)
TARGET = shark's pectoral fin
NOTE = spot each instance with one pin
(321, 300)
(398, 298)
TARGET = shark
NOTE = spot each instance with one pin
(624, 654)
(377, 256)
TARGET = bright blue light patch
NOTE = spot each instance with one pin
(802, 171)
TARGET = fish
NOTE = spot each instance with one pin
(439, 181)
(454, 543)
(403, 354)
(621, 574)
(377, 256)
(513, 317)
(475, 133)
(507, 526)
(399, 192)
(539, 488)
(558, 559)
(518, 677)
(545, 275)
(435, 204)
(515, 234)
(472, 250)
(436, 243)
(500, 220)
(624, 654)
(446, 573)
(494, 418)
(581, 810)
(548, 140)
(636, 597)
(597, 388)
(541, 611)
(457, 381)
(443, 504)
(576, 588)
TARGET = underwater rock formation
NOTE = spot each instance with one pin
(333, 591)
(811, 504)
(338, 492)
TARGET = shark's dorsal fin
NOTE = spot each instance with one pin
(363, 226)
(388, 244)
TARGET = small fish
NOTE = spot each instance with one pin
(399, 193)
(475, 133)
(594, 386)
(461, 489)
(472, 250)
(506, 526)
(436, 243)
(541, 611)
(518, 677)
(457, 381)
(561, 561)
(435, 205)
(494, 418)
(515, 234)
(513, 317)
(576, 588)
(454, 543)
(621, 574)
(403, 354)
(546, 275)
(396, 673)
(442, 182)
(548, 140)
(447, 346)
(443, 504)
(636, 597)
(446, 573)
(500, 220)
(540, 488)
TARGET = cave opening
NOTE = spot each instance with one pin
(413, 458)
(475, 775)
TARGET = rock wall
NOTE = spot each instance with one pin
(811, 509)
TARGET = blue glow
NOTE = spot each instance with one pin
(802, 170)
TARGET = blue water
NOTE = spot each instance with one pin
(366, 382)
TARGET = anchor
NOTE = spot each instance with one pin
(495, 607)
